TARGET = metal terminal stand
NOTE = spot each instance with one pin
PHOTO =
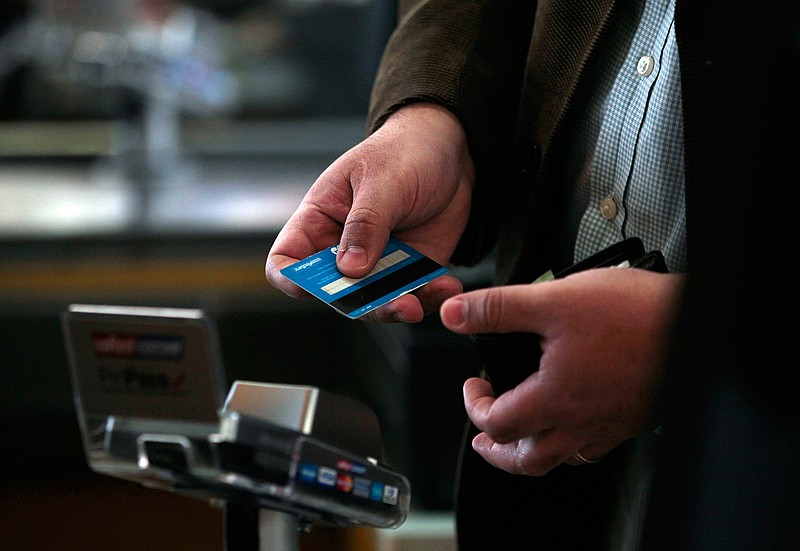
(248, 528)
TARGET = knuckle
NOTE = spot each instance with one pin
(362, 216)
(532, 459)
(495, 430)
(499, 429)
(489, 309)
(524, 460)
(535, 467)
(361, 225)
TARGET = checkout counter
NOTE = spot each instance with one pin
(85, 221)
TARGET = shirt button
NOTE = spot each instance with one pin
(608, 208)
(645, 65)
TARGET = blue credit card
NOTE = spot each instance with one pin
(400, 270)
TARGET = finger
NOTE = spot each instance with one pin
(530, 456)
(296, 241)
(536, 453)
(366, 231)
(479, 399)
(516, 414)
(404, 309)
(413, 307)
(526, 308)
(508, 457)
(437, 291)
(579, 458)
(275, 263)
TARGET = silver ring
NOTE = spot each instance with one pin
(581, 460)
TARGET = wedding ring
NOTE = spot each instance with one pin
(581, 460)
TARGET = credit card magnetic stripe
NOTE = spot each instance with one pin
(396, 282)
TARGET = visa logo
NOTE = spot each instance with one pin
(327, 477)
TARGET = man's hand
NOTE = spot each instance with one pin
(604, 335)
(412, 178)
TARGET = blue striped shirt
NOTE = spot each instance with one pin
(631, 178)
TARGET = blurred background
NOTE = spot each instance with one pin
(149, 153)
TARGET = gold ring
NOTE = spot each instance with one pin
(581, 460)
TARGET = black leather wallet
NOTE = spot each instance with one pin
(509, 358)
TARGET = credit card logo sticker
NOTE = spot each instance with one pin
(327, 477)
(350, 467)
(362, 487)
(308, 472)
(344, 483)
(377, 491)
(390, 494)
(149, 347)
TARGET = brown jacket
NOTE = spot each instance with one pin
(509, 70)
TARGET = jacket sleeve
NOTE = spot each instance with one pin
(468, 56)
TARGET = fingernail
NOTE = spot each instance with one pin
(479, 443)
(353, 257)
(400, 317)
(455, 312)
